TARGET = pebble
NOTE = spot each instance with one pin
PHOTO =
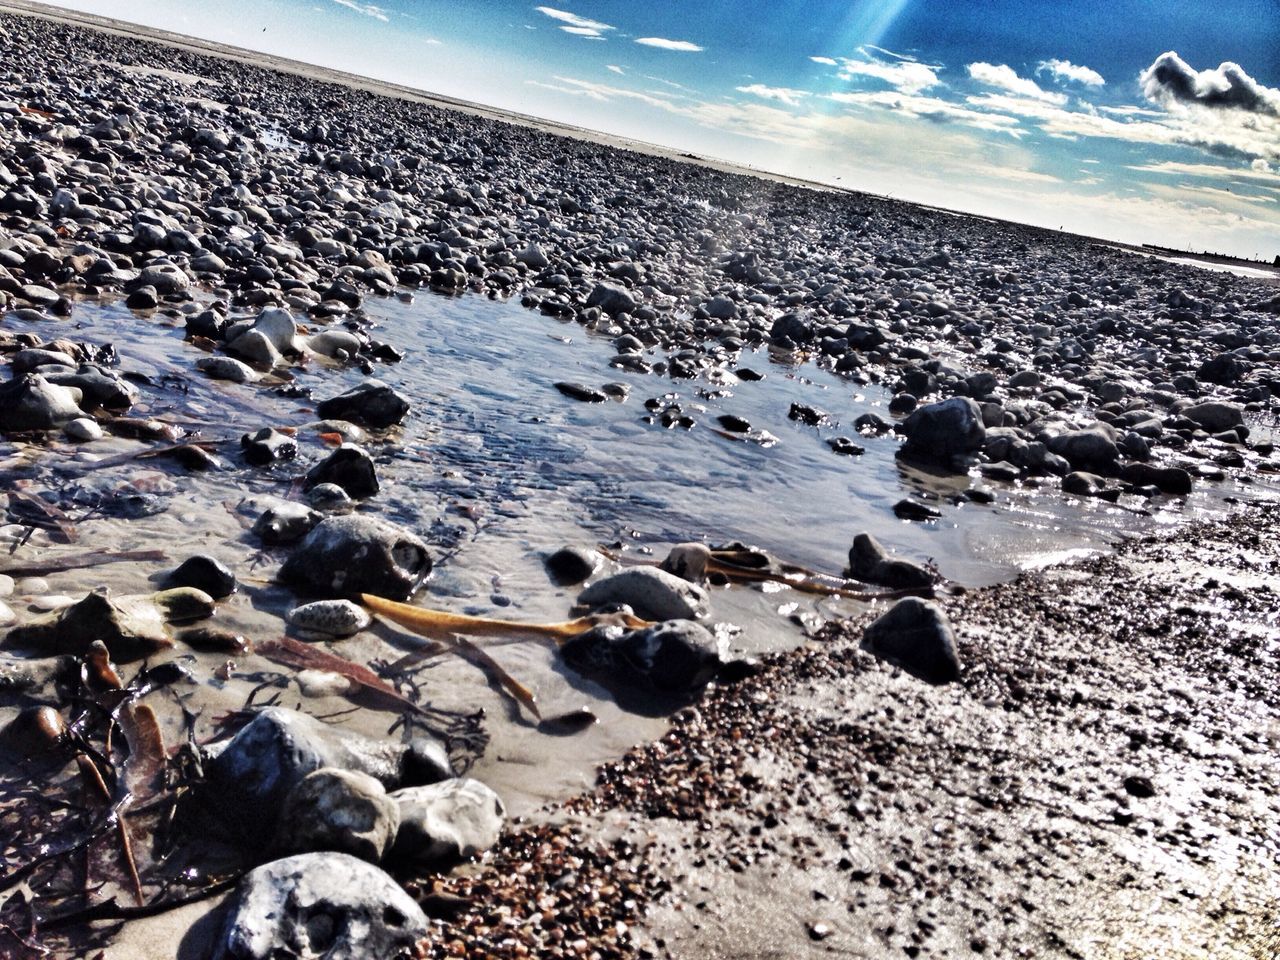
(50, 602)
(7, 616)
(31, 586)
(83, 430)
(6, 585)
(337, 618)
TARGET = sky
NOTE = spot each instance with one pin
(1132, 120)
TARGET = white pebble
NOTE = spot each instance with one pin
(53, 601)
(322, 683)
(31, 586)
(7, 616)
(337, 618)
(83, 429)
(6, 585)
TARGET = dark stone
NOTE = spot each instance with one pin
(204, 573)
(372, 404)
(939, 432)
(916, 635)
(578, 391)
(908, 509)
(349, 467)
(267, 446)
(674, 656)
(871, 563)
(572, 565)
(346, 556)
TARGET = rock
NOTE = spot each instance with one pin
(330, 498)
(612, 299)
(1216, 416)
(349, 467)
(334, 343)
(344, 556)
(285, 522)
(672, 657)
(572, 565)
(1093, 448)
(82, 430)
(205, 573)
(445, 823)
(320, 905)
(7, 616)
(734, 423)
(253, 772)
(99, 387)
(372, 404)
(578, 391)
(939, 432)
(131, 628)
(227, 368)
(810, 416)
(31, 402)
(279, 328)
(336, 618)
(143, 298)
(267, 446)
(871, 563)
(653, 594)
(1172, 480)
(340, 810)
(916, 635)
(688, 561)
(908, 509)
(256, 347)
(846, 447)
(1079, 483)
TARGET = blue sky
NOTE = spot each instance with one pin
(1137, 121)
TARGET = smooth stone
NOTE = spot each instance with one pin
(31, 402)
(7, 585)
(50, 602)
(227, 368)
(349, 467)
(672, 657)
(31, 586)
(330, 498)
(349, 555)
(338, 618)
(82, 430)
(285, 522)
(329, 343)
(7, 616)
(1093, 448)
(908, 509)
(1215, 416)
(448, 822)
(653, 594)
(688, 561)
(267, 446)
(871, 563)
(205, 573)
(320, 905)
(372, 404)
(130, 627)
(941, 431)
(572, 565)
(257, 347)
(340, 810)
(917, 636)
(578, 391)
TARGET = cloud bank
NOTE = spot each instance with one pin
(1171, 81)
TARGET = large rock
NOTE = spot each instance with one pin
(871, 563)
(349, 467)
(131, 627)
(612, 299)
(446, 822)
(675, 656)
(1215, 416)
(916, 635)
(250, 775)
(1093, 448)
(320, 905)
(653, 594)
(346, 556)
(940, 432)
(371, 404)
(31, 402)
(341, 810)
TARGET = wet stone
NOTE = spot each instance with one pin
(578, 391)
(372, 404)
(337, 618)
(267, 446)
(349, 467)
(653, 595)
(572, 565)
(329, 905)
(205, 573)
(350, 555)
(445, 823)
(285, 522)
(907, 509)
(340, 810)
(916, 635)
(672, 657)
(871, 563)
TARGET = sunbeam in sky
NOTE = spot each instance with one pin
(1126, 119)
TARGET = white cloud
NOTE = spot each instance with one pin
(824, 60)
(1003, 77)
(785, 95)
(1259, 171)
(574, 24)
(1260, 166)
(1171, 81)
(615, 69)
(1066, 70)
(870, 50)
(368, 9)
(664, 44)
(932, 109)
(907, 77)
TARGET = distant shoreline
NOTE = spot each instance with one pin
(387, 88)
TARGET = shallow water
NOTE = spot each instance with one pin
(495, 468)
